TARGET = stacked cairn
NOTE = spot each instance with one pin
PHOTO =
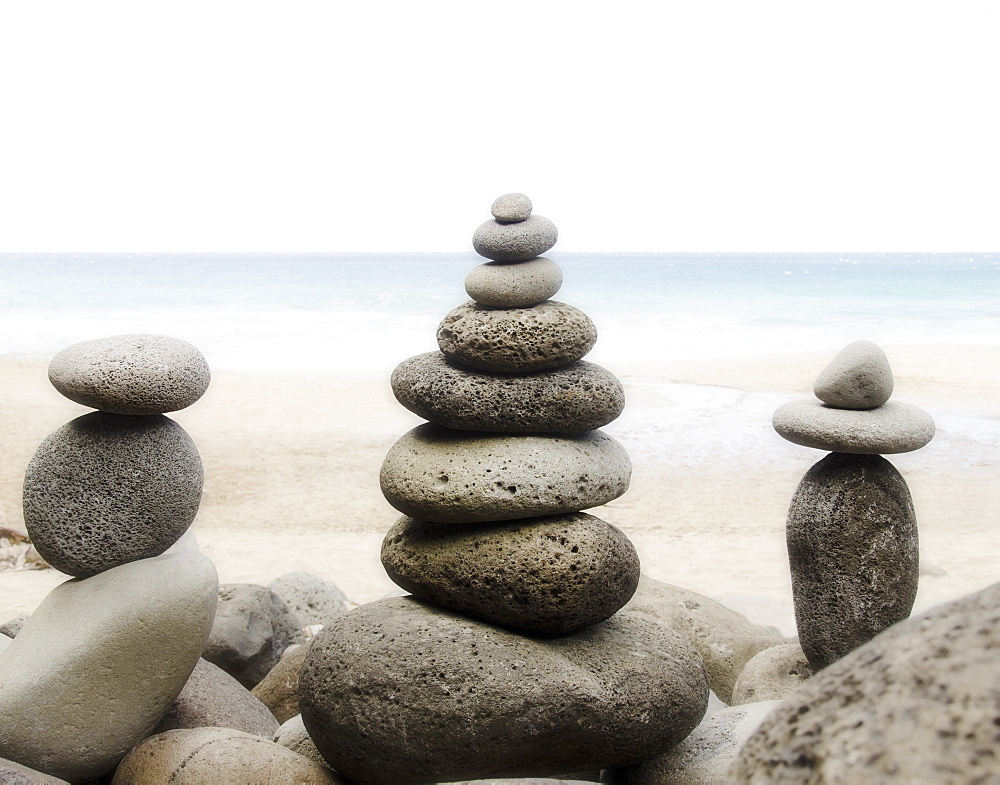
(509, 659)
(851, 527)
(107, 497)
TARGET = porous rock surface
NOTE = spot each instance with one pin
(577, 398)
(311, 598)
(515, 242)
(131, 374)
(398, 691)
(514, 284)
(279, 689)
(12, 773)
(105, 489)
(437, 474)
(918, 704)
(859, 377)
(853, 553)
(894, 427)
(101, 660)
(511, 208)
(772, 674)
(548, 335)
(549, 575)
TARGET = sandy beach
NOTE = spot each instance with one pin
(292, 464)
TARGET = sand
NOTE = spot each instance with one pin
(292, 463)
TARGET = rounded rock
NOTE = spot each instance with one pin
(12, 773)
(511, 208)
(548, 335)
(442, 475)
(514, 284)
(515, 242)
(311, 598)
(279, 689)
(105, 489)
(859, 377)
(772, 674)
(580, 397)
(892, 428)
(293, 735)
(131, 374)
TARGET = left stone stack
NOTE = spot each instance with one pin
(106, 499)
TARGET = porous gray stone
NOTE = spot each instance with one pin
(580, 397)
(511, 208)
(105, 489)
(918, 704)
(12, 773)
(311, 598)
(131, 374)
(279, 689)
(100, 661)
(859, 377)
(253, 626)
(853, 551)
(550, 575)
(293, 735)
(437, 474)
(399, 691)
(772, 674)
(514, 284)
(515, 242)
(548, 335)
(212, 756)
(893, 427)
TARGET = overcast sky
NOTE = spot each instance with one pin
(642, 126)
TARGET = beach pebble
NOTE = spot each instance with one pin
(279, 690)
(511, 208)
(399, 690)
(580, 397)
(918, 704)
(859, 377)
(252, 627)
(892, 428)
(548, 335)
(293, 735)
(773, 674)
(514, 284)
(442, 475)
(12, 773)
(105, 489)
(101, 660)
(131, 374)
(13, 626)
(213, 756)
(548, 575)
(311, 598)
(515, 242)
(853, 552)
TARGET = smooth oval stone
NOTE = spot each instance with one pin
(279, 689)
(853, 553)
(511, 208)
(131, 374)
(772, 674)
(859, 377)
(105, 489)
(437, 474)
(580, 397)
(101, 660)
(293, 735)
(515, 242)
(402, 691)
(893, 427)
(547, 575)
(514, 284)
(548, 335)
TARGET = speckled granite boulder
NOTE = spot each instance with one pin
(772, 674)
(548, 335)
(511, 208)
(892, 428)
(574, 399)
(514, 284)
(12, 773)
(312, 599)
(105, 489)
(399, 691)
(515, 242)
(101, 660)
(293, 735)
(131, 374)
(853, 552)
(538, 575)
(437, 474)
(279, 690)
(918, 704)
(859, 377)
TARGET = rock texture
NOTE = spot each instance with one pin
(892, 428)
(514, 284)
(293, 735)
(511, 208)
(772, 674)
(279, 689)
(859, 377)
(12, 773)
(312, 599)
(517, 241)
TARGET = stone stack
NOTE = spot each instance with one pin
(851, 528)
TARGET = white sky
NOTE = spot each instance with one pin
(646, 126)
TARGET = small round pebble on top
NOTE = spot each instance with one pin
(511, 208)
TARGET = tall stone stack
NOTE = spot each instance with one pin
(851, 528)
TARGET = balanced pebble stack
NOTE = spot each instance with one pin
(851, 527)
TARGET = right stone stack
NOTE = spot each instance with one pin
(851, 527)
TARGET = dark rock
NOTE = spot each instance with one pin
(311, 598)
(515, 242)
(279, 690)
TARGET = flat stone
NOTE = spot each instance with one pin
(853, 552)
(100, 661)
(859, 377)
(550, 575)
(402, 691)
(548, 335)
(580, 397)
(106, 489)
(279, 689)
(515, 242)
(892, 428)
(437, 474)
(511, 208)
(12, 773)
(772, 674)
(131, 374)
(312, 599)
(514, 284)
(918, 704)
